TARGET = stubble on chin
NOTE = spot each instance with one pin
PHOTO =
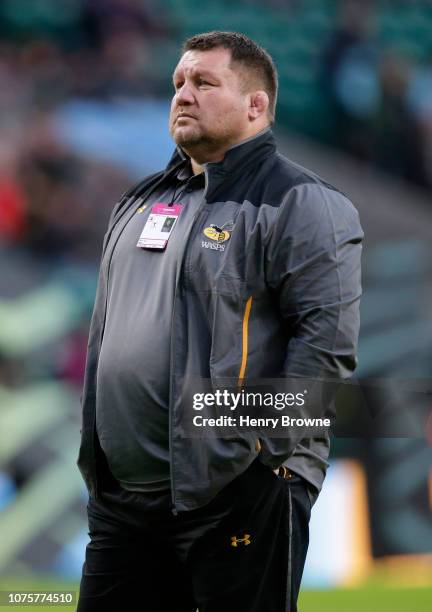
(184, 140)
(189, 132)
(199, 145)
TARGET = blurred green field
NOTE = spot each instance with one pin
(367, 599)
(363, 599)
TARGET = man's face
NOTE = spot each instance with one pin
(209, 110)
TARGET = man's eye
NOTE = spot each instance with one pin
(178, 85)
(203, 82)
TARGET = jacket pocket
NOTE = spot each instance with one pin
(230, 328)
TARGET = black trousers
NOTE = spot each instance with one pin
(243, 552)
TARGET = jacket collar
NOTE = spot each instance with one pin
(246, 152)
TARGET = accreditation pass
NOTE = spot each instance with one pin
(159, 226)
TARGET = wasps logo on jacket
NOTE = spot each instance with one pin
(217, 235)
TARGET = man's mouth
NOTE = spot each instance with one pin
(184, 116)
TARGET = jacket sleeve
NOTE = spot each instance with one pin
(313, 267)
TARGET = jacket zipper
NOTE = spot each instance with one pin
(171, 408)
(245, 339)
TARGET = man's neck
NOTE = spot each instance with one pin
(198, 167)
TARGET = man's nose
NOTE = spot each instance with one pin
(185, 95)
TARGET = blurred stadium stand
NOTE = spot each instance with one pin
(84, 103)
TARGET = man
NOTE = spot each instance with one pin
(249, 269)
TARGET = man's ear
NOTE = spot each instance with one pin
(258, 105)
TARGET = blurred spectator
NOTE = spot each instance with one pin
(420, 104)
(398, 135)
(12, 198)
(102, 17)
(349, 80)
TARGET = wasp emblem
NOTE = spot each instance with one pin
(216, 233)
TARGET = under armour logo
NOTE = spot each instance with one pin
(235, 541)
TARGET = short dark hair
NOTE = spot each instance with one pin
(244, 51)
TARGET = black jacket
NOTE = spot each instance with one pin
(284, 293)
